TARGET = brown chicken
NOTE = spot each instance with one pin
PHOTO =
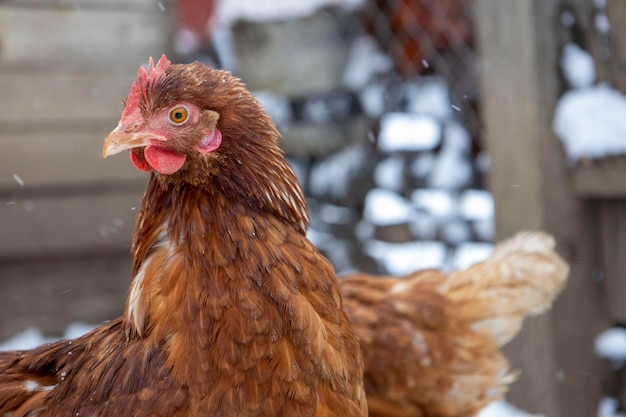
(232, 311)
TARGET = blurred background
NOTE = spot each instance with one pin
(421, 130)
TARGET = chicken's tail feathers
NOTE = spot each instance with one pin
(522, 277)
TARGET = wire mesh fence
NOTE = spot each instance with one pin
(378, 104)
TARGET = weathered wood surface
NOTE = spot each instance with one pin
(65, 67)
(52, 293)
(145, 5)
(61, 160)
(532, 188)
(62, 36)
(64, 225)
(611, 229)
(63, 96)
(602, 178)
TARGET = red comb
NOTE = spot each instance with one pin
(144, 77)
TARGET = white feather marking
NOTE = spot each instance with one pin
(30, 386)
(135, 312)
(400, 286)
(134, 297)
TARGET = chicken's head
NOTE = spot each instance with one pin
(198, 125)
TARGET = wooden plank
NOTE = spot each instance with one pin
(58, 225)
(532, 189)
(612, 237)
(145, 5)
(602, 178)
(63, 96)
(60, 36)
(616, 10)
(51, 294)
(57, 159)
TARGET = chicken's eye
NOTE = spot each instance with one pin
(179, 115)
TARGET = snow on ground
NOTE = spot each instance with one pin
(33, 337)
(408, 132)
(503, 409)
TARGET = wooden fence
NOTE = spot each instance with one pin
(65, 215)
(533, 186)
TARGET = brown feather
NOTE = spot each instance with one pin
(431, 342)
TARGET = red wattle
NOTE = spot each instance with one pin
(140, 164)
(163, 160)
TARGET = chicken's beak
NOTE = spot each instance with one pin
(119, 140)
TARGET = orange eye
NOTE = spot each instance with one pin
(179, 115)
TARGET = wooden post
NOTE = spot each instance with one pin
(529, 177)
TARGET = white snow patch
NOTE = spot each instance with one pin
(607, 407)
(365, 60)
(422, 164)
(318, 238)
(384, 208)
(389, 173)
(476, 205)
(408, 132)
(452, 168)
(436, 202)
(333, 175)
(372, 98)
(33, 337)
(28, 339)
(455, 231)
(272, 10)
(485, 229)
(277, 107)
(430, 96)
(332, 214)
(405, 258)
(504, 409)
(611, 345)
(424, 227)
(578, 66)
(469, 253)
(364, 230)
(568, 18)
(590, 122)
